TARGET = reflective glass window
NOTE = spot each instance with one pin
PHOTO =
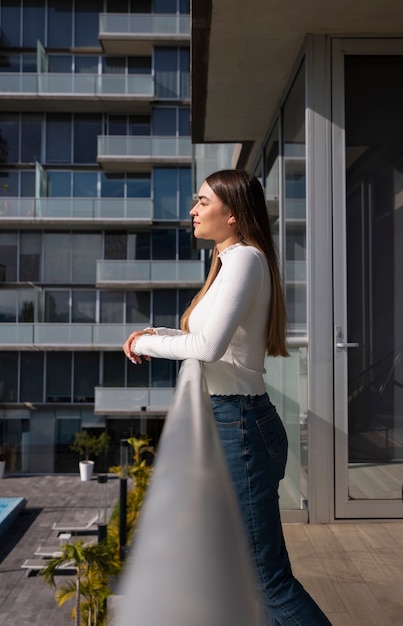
(57, 257)
(164, 121)
(31, 137)
(165, 186)
(85, 64)
(184, 60)
(86, 376)
(138, 186)
(138, 376)
(32, 376)
(186, 250)
(8, 376)
(184, 122)
(30, 257)
(163, 373)
(113, 65)
(113, 369)
(10, 63)
(115, 246)
(139, 246)
(27, 302)
(8, 257)
(164, 308)
(139, 125)
(166, 72)
(28, 184)
(8, 187)
(138, 307)
(9, 138)
(10, 23)
(33, 23)
(185, 298)
(139, 65)
(83, 307)
(8, 305)
(60, 63)
(85, 184)
(86, 23)
(164, 243)
(111, 307)
(165, 6)
(58, 376)
(60, 24)
(57, 306)
(59, 184)
(86, 131)
(29, 63)
(185, 192)
(86, 250)
(112, 185)
(58, 138)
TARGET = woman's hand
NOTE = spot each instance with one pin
(129, 344)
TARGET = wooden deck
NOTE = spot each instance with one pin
(354, 571)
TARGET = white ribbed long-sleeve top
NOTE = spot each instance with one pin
(227, 328)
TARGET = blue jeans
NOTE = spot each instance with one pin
(255, 445)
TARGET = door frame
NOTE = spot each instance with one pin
(345, 508)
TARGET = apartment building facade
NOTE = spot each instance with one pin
(95, 239)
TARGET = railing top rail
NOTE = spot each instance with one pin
(190, 563)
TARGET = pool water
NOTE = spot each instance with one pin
(10, 508)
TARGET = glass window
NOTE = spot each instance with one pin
(8, 257)
(165, 6)
(10, 23)
(272, 183)
(112, 185)
(117, 124)
(83, 307)
(163, 373)
(139, 65)
(86, 250)
(86, 64)
(164, 121)
(86, 131)
(138, 376)
(113, 65)
(31, 386)
(60, 63)
(33, 23)
(164, 305)
(26, 305)
(58, 138)
(8, 188)
(166, 72)
(111, 307)
(185, 298)
(139, 125)
(58, 376)
(115, 246)
(184, 7)
(85, 184)
(31, 137)
(59, 184)
(8, 376)
(164, 243)
(185, 192)
(138, 307)
(165, 186)
(60, 24)
(184, 122)
(8, 305)
(184, 72)
(139, 246)
(29, 63)
(57, 257)
(114, 369)
(30, 257)
(10, 63)
(186, 250)
(295, 203)
(86, 376)
(86, 26)
(138, 186)
(28, 184)
(9, 138)
(57, 306)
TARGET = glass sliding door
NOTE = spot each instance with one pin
(368, 262)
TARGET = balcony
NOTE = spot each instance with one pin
(137, 33)
(150, 274)
(139, 153)
(32, 211)
(93, 92)
(132, 400)
(64, 336)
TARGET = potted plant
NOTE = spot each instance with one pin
(87, 444)
(2, 462)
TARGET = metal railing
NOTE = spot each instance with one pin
(190, 564)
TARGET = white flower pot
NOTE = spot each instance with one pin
(86, 469)
(2, 468)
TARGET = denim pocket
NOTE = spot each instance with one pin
(274, 436)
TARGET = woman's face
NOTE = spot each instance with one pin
(212, 219)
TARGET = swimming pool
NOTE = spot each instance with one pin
(10, 508)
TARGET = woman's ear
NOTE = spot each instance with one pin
(231, 220)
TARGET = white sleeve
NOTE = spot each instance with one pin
(240, 281)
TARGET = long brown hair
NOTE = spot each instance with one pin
(243, 194)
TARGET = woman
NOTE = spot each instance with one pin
(236, 318)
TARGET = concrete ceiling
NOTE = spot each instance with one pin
(243, 52)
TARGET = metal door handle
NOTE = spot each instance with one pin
(347, 345)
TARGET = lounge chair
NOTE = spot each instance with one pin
(76, 528)
(35, 565)
(52, 551)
